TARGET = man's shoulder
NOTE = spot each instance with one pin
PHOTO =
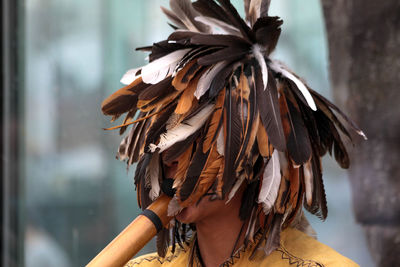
(298, 247)
(152, 260)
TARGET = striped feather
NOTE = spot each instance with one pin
(153, 176)
(183, 130)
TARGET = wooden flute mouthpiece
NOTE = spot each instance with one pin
(135, 236)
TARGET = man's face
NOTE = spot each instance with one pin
(205, 209)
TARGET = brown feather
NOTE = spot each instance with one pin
(183, 165)
(243, 92)
(129, 142)
(296, 134)
(262, 141)
(178, 82)
(220, 177)
(298, 207)
(147, 105)
(294, 185)
(124, 99)
(135, 121)
(207, 177)
(186, 100)
(283, 193)
(138, 151)
(196, 166)
(253, 135)
(128, 118)
(251, 122)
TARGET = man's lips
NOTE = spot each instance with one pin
(170, 169)
(171, 164)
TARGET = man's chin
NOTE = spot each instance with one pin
(184, 216)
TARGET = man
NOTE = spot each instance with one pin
(220, 239)
(233, 136)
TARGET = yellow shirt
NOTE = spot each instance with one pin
(296, 249)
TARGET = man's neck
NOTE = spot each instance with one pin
(218, 237)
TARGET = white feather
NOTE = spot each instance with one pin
(220, 142)
(235, 188)
(173, 18)
(250, 233)
(284, 164)
(157, 70)
(217, 26)
(173, 207)
(270, 184)
(308, 181)
(183, 9)
(123, 147)
(130, 76)
(152, 176)
(177, 183)
(254, 9)
(205, 81)
(261, 61)
(277, 67)
(183, 130)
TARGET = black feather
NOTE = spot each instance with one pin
(228, 54)
(236, 20)
(135, 153)
(211, 9)
(218, 84)
(311, 125)
(196, 166)
(233, 129)
(163, 239)
(335, 108)
(267, 31)
(319, 205)
(178, 148)
(163, 48)
(140, 174)
(274, 235)
(250, 195)
(156, 90)
(340, 152)
(269, 110)
(298, 141)
(219, 40)
(134, 133)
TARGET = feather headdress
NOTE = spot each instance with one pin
(213, 100)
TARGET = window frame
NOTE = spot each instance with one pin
(11, 100)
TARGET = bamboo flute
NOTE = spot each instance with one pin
(133, 238)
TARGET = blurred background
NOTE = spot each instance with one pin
(72, 195)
